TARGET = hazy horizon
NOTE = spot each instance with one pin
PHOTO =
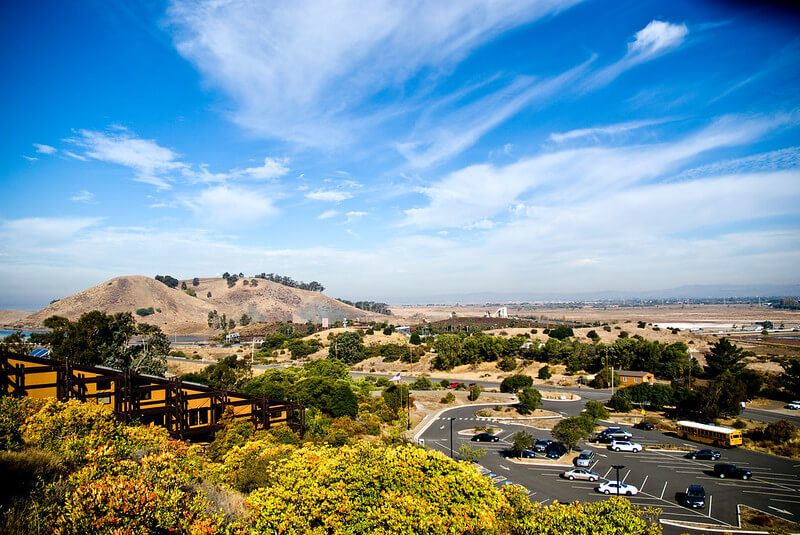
(395, 151)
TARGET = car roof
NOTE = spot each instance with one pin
(696, 488)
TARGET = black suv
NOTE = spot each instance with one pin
(695, 496)
(646, 426)
(555, 450)
(485, 437)
(709, 455)
(731, 470)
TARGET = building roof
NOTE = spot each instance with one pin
(633, 374)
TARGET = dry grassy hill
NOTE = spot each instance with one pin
(176, 312)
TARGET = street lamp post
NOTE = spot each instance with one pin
(451, 436)
(618, 467)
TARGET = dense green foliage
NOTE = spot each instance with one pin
(108, 340)
(81, 471)
(515, 383)
(170, 281)
(313, 286)
(724, 357)
(529, 400)
(229, 373)
(347, 347)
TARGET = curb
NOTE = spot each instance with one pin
(709, 527)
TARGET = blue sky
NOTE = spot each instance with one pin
(399, 151)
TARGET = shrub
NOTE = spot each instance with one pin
(415, 339)
(592, 335)
(607, 328)
(544, 372)
(739, 424)
(507, 363)
(623, 334)
(474, 393)
(145, 311)
(597, 410)
(448, 398)
(780, 431)
(529, 400)
(514, 383)
(621, 401)
(422, 383)
(561, 333)
(12, 415)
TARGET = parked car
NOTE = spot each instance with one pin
(708, 455)
(794, 405)
(731, 470)
(625, 445)
(645, 426)
(616, 433)
(580, 473)
(485, 437)
(527, 454)
(695, 496)
(611, 429)
(585, 458)
(614, 487)
(555, 450)
(453, 385)
(541, 445)
(604, 439)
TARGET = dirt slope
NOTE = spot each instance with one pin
(179, 313)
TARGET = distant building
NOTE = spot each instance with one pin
(631, 378)
(232, 338)
(325, 323)
(406, 330)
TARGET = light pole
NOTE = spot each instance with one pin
(618, 467)
(451, 436)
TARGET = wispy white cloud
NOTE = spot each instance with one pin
(271, 169)
(481, 224)
(776, 160)
(231, 204)
(45, 149)
(30, 158)
(329, 195)
(354, 215)
(655, 39)
(480, 191)
(328, 214)
(291, 77)
(75, 156)
(602, 131)
(462, 127)
(82, 196)
(152, 163)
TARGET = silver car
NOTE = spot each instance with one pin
(580, 473)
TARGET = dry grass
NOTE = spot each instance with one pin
(756, 520)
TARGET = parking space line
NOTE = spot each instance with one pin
(710, 499)
(773, 494)
(664, 490)
(787, 501)
(606, 474)
(643, 482)
(626, 476)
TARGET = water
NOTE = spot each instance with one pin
(4, 333)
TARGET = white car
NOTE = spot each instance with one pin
(625, 445)
(794, 405)
(614, 487)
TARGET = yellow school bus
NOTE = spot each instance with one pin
(722, 437)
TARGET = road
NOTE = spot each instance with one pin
(660, 475)
(587, 393)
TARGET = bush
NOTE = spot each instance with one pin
(415, 339)
(561, 333)
(597, 410)
(593, 336)
(422, 383)
(623, 334)
(474, 393)
(145, 311)
(544, 372)
(739, 424)
(621, 401)
(507, 364)
(12, 415)
(780, 431)
(529, 400)
(514, 383)
(448, 398)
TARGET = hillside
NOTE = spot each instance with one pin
(176, 312)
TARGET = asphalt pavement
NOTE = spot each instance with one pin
(661, 475)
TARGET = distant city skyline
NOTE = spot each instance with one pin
(391, 150)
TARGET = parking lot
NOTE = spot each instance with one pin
(660, 475)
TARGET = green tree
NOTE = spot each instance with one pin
(396, 396)
(544, 372)
(415, 339)
(725, 356)
(347, 347)
(470, 454)
(571, 430)
(327, 367)
(597, 410)
(719, 398)
(561, 333)
(790, 378)
(15, 343)
(621, 401)
(521, 440)
(422, 383)
(474, 393)
(514, 383)
(448, 347)
(529, 400)
(507, 363)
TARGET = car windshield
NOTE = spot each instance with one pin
(695, 491)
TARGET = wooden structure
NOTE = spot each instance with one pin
(631, 378)
(185, 409)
